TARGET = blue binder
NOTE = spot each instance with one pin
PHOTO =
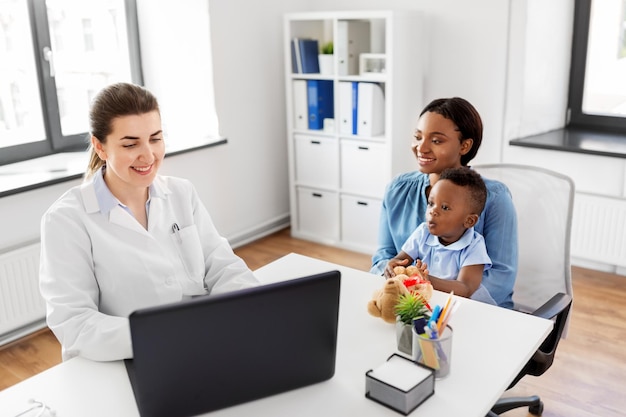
(308, 56)
(321, 102)
(355, 100)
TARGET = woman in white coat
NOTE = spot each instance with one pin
(127, 238)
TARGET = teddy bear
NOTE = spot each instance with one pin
(415, 280)
(384, 300)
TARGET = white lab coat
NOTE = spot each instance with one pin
(98, 268)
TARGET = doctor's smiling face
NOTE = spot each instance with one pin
(133, 152)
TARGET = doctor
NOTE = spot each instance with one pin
(127, 238)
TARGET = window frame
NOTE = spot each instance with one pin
(54, 141)
(576, 117)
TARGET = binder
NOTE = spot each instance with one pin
(355, 107)
(353, 39)
(295, 57)
(346, 104)
(300, 105)
(309, 51)
(371, 109)
(348, 99)
(320, 102)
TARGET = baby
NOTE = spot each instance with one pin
(445, 247)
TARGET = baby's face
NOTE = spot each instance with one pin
(448, 211)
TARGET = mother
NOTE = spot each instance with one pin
(448, 135)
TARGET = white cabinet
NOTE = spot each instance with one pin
(364, 167)
(309, 151)
(359, 222)
(318, 214)
(349, 131)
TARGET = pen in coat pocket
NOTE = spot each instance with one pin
(176, 231)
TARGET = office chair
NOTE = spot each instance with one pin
(544, 201)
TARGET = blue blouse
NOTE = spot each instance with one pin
(404, 208)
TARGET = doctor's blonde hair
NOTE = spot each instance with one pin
(116, 100)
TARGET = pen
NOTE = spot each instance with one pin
(445, 311)
(453, 308)
(176, 231)
(435, 315)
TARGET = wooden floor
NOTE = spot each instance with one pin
(587, 379)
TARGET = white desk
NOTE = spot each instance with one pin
(490, 346)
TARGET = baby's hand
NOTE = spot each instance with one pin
(422, 269)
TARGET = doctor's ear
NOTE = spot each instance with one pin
(98, 148)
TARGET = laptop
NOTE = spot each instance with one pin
(212, 352)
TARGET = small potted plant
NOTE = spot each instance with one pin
(326, 58)
(409, 307)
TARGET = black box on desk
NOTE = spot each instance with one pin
(400, 384)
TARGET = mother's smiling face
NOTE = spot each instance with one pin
(437, 143)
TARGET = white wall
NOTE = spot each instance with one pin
(243, 183)
(20, 214)
(540, 50)
(250, 100)
(177, 66)
(539, 64)
(509, 58)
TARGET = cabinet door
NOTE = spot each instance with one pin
(318, 213)
(359, 222)
(317, 161)
(364, 168)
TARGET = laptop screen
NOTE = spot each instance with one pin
(212, 352)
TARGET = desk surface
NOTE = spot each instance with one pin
(490, 346)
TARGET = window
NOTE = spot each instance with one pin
(55, 55)
(598, 73)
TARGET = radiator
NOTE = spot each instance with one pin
(22, 309)
(599, 229)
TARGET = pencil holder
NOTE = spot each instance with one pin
(435, 353)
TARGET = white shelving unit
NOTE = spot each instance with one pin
(337, 180)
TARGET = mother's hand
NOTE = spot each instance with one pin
(393, 262)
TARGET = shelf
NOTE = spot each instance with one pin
(312, 77)
(337, 179)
